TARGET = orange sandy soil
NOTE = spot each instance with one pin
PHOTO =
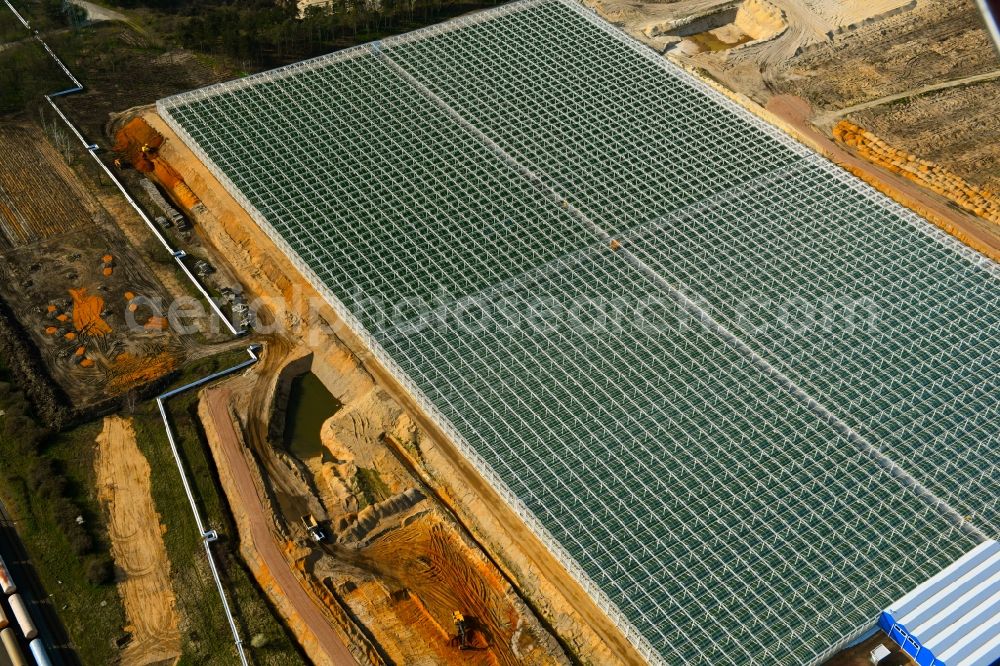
(266, 272)
(137, 546)
(135, 135)
(128, 370)
(432, 574)
(562, 600)
(87, 313)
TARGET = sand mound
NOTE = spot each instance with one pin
(760, 19)
(137, 546)
(87, 313)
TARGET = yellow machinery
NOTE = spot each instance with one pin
(462, 629)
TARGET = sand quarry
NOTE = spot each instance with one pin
(395, 566)
(137, 546)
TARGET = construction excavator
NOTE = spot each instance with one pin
(137, 145)
(467, 636)
(462, 629)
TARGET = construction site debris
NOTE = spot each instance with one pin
(203, 268)
(169, 211)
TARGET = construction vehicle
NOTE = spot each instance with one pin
(315, 531)
(468, 635)
(462, 629)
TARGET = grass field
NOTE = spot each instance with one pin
(93, 615)
(27, 73)
(206, 635)
(87, 611)
(10, 28)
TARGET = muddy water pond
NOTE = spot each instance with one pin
(310, 404)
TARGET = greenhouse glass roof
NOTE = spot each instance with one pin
(744, 398)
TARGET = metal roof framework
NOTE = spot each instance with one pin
(952, 619)
(714, 485)
(774, 214)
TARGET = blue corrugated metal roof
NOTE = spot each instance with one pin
(953, 619)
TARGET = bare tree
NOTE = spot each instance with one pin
(59, 138)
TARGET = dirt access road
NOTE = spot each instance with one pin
(328, 647)
(826, 120)
(266, 271)
(137, 546)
